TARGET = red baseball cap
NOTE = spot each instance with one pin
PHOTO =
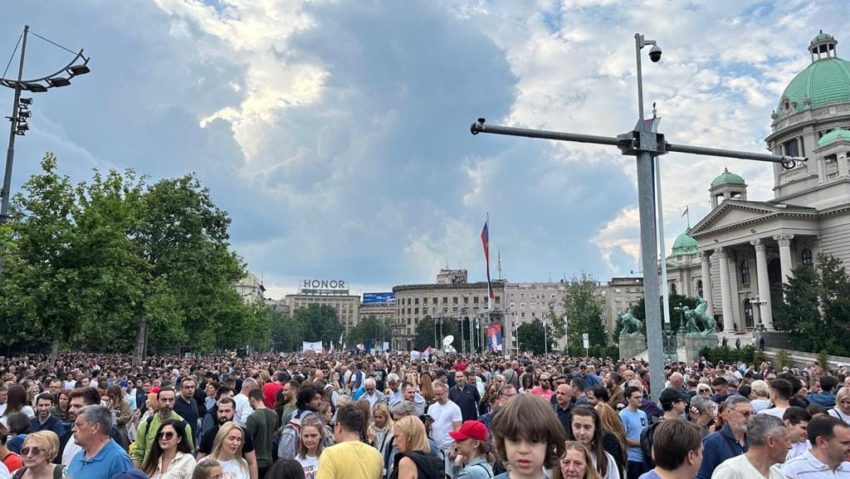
(470, 429)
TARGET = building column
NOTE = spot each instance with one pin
(733, 292)
(706, 282)
(725, 292)
(765, 311)
(784, 241)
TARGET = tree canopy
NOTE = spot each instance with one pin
(117, 264)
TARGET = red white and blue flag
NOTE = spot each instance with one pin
(485, 241)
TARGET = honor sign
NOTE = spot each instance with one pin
(324, 286)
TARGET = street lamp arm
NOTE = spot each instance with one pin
(479, 126)
(11, 83)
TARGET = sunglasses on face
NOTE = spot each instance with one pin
(167, 435)
(34, 450)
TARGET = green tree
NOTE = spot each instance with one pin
(319, 323)
(531, 337)
(425, 332)
(583, 312)
(370, 330)
(287, 333)
(815, 311)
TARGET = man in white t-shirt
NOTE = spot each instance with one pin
(243, 405)
(447, 417)
(780, 395)
(768, 441)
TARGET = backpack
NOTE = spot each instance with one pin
(427, 466)
(290, 437)
(646, 443)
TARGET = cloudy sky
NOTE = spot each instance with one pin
(336, 133)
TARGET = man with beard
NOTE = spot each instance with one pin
(731, 440)
(225, 411)
(80, 398)
(146, 433)
(43, 420)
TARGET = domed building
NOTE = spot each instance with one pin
(745, 249)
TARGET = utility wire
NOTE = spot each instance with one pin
(13, 54)
(53, 43)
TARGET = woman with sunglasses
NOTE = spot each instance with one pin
(171, 454)
(40, 448)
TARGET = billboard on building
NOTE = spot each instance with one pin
(378, 298)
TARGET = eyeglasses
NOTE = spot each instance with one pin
(743, 413)
(167, 435)
(34, 450)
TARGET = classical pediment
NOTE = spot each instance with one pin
(735, 213)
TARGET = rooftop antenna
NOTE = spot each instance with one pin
(499, 262)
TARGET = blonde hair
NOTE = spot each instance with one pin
(611, 423)
(48, 439)
(223, 431)
(842, 394)
(414, 434)
(386, 411)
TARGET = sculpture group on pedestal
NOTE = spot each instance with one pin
(631, 326)
(699, 324)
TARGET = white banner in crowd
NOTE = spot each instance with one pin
(314, 346)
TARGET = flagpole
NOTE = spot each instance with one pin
(665, 293)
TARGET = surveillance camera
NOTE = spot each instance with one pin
(655, 54)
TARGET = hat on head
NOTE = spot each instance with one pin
(670, 395)
(470, 429)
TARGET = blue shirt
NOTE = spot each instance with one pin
(650, 475)
(110, 460)
(717, 447)
(634, 422)
(52, 424)
(823, 399)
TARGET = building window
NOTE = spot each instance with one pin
(454, 300)
(415, 310)
(416, 301)
(791, 147)
(466, 300)
(673, 289)
(434, 300)
(806, 257)
(748, 313)
(445, 300)
(454, 310)
(498, 299)
(745, 272)
(699, 288)
(475, 299)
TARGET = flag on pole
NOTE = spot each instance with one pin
(485, 241)
(684, 212)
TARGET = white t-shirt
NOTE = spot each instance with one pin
(232, 469)
(612, 472)
(310, 464)
(243, 409)
(71, 450)
(4, 472)
(444, 415)
(774, 411)
(739, 467)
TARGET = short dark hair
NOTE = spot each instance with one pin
(782, 388)
(256, 395)
(577, 384)
(823, 426)
(89, 395)
(795, 415)
(627, 393)
(45, 397)
(600, 393)
(827, 383)
(351, 418)
(165, 388)
(672, 440)
(226, 400)
(719, 381)
(222, 390)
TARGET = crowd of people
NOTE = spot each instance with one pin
(386, 416)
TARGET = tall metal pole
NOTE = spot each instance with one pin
(649, 246)
(665, 293)
(10, 152)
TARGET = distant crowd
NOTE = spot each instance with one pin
(385, 416)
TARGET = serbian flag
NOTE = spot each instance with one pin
(485, 241)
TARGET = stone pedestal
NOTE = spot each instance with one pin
(631, 346)
(694, 344)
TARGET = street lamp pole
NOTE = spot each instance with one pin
(20, 112)
(645, 144)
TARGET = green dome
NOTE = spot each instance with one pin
(684, 244)
(821, 36)
(838, 134)
(727, 178)
(825, 82)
